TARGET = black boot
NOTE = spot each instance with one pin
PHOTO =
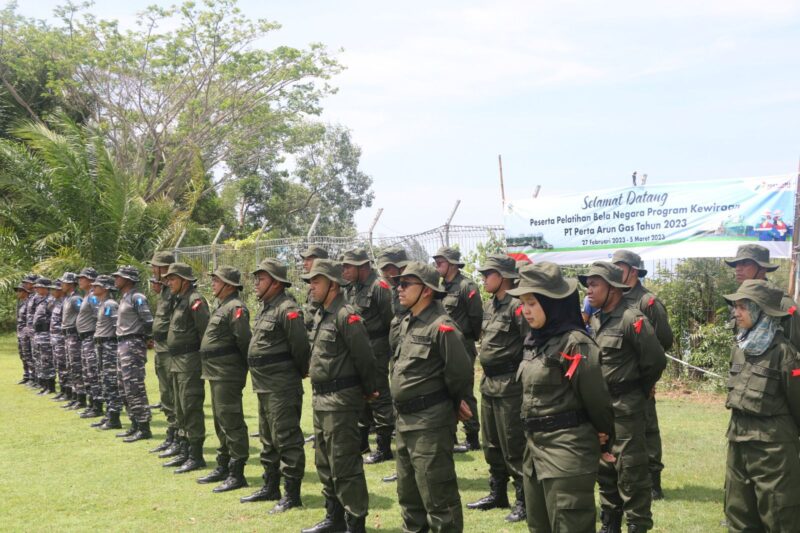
(383, 451)
(173, 449)
(128, 432)
(633, 528)
(44, 386)
(364, 440)
(112, 422)
(658, 494)
(355, 524)
(142, 433)
(472, 443)
(168, 440)
(63, 394)
(333, 521)
(100, 422)
(73, 400)
(235, 479)
(497, 496)
(291, 496)
(219, 473)
(95, 410)
(195, 460)
(612, 521)
(518, 513)
(271, 490)
(51, 386)
(23, 381)
(182, 456)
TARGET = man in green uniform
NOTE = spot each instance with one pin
(224, 356)
(159, 264)
(646, 302)
(504, 329)
(372, 299)
(632, 361)
(342, 372)
(752, 262)
(463, 304)
(187, 325)
(391, 263)
(278, 357)
(310, 307)
(763, 466)
(431, 375)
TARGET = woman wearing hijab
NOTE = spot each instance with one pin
(762, 473)
(566, 406)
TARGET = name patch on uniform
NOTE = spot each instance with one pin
(420, 339)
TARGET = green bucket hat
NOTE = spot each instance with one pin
(275, 269)
(182, 270)
(452, 255)
(42, 283)
(753, 252)
(229, 275)
(503, 264)
(428, 275)
(356, 256)
(611, 273)
(314, 251)
(544, 278)
(760, 292)
(105, 281)
(328, 268)
(394, 255)
(630, 259)
(128, 272)
(162, 259)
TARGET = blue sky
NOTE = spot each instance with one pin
(574, 95)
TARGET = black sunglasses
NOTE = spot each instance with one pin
(406, 284)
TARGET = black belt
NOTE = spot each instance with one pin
(263, 360)
(219, 352)
(69, 331)
(420, 403)
(335, 385)
(568, 419)
(41, 329)
(131, 336)
(159, 337)
(85, 335)
(183, 350)
(509, 367)
(373, 335)
(624, 387)
(98, 340)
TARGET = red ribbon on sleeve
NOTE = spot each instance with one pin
(291, 315)
(637, 326)
(792, 309)
(796, 373)
(573, 365)
(352, 319)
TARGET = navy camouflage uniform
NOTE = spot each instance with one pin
(57, 343)
(30, 308)
(45, 369)
(85, 324)
(72, 343)
(105, 338)
(134, 326)
(22, 341)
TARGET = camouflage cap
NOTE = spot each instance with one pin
(427, 274)
(275, 269)
(127, 272)
(56, 285)
(452, 255)
(356, 256)
(612, 274)
(760, 292)
(68, 277)
(630, 259)
(325, 267)
(42, 283)
(88, 273)
(22, 288)
(163, 258)
(314, 251)
(755, 253)
(503, 264)
(229, 275)
(105, 281)
(182, 270)
(544, 278)
(394, 255)
(30, 278)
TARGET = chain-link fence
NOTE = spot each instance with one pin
(420, 246)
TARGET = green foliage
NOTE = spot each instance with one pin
(711, 347)
(474, 259)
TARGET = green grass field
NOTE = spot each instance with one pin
(60, 475)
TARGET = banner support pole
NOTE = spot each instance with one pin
(794, 285)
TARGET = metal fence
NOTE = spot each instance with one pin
(245, 257)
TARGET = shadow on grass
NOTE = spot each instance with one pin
(695, 493)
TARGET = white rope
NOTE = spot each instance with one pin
(703, 370)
